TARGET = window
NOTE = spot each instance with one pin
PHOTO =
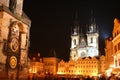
(119, 46)
(91, 39)
(74, 41)
(119, 61)
(12, 4)
(115, 48)
(115, 63)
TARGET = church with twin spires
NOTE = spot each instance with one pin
(84, 45)
(84, 52)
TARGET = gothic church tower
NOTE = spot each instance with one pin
(14, 39)
(92, 38)
(84, 45)
(74, 40)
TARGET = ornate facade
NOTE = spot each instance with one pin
(83, 66)
(112, 50)
(116, 45)
(14, 39)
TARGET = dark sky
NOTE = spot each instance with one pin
(52, 22)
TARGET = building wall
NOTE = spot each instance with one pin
(37, 69)
(112, 49)
(50, 65)
(9, 19)
(86, 66)
(116, 43)
(109, 52)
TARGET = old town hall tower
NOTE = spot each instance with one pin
(14, 39)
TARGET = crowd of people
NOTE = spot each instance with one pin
(102, 77)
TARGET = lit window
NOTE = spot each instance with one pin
(119, 61)
(115, 48)
(118, 46)
(115, 63)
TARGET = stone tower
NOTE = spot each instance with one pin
(93, 38)
(75, 39)
(14, 39)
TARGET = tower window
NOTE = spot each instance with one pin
(74, 42)
(91, 39)
(12, 4)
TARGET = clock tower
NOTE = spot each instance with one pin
(14, 39)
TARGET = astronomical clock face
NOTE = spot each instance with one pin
(13, 54)
(13, 62)
(14, 44)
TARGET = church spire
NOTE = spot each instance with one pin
(76, 25)
(92, 25)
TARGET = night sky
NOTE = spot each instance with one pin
(52, 22)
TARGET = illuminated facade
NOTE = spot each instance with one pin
(109, 52)
(36, 67)
(84, 46)
(50, 65)
(14, 39)
(112, 50)
(116, 44)
(83, 66)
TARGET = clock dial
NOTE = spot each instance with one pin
(13, 62)
(14, 44)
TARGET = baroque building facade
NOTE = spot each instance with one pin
(112, 49)
(116, 43)
(14, 39)
(40, 67)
